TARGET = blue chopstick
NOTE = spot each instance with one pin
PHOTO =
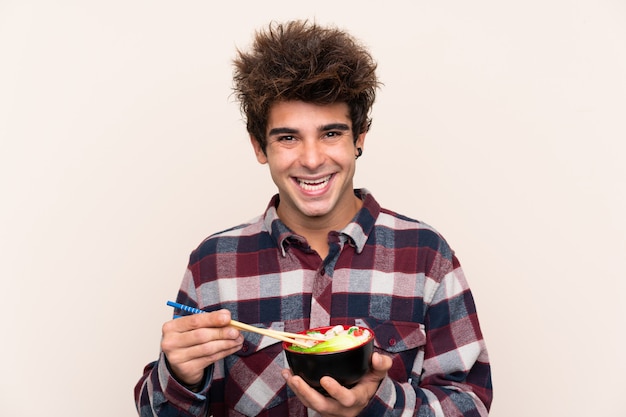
(183, 307)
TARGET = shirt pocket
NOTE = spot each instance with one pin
(403, 341)
(253, 382)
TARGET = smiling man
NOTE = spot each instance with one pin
(311, 152)
(322, 253)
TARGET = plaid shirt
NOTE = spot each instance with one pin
(390, 273)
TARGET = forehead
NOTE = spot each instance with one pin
(300, 113)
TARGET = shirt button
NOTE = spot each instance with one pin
(323, 272)
(392, 342)
(244, 348)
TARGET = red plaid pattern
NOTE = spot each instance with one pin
(390, 273)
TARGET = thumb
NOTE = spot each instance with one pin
(380, 364)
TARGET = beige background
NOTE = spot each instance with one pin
(501, 123)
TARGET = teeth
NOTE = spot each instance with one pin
(309, 185)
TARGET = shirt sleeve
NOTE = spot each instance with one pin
(454, 378)
(158, 393)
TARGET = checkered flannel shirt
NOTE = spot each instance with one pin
(395, 275)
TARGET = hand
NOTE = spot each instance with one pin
(342, 401)
(191, 343)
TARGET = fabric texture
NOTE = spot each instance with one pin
(393, 274)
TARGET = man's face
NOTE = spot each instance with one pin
(311, 156)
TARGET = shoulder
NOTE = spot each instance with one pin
(407, 231)
(230, 240)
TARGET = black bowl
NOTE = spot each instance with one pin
(346, 366)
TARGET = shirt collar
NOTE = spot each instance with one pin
(357, 231)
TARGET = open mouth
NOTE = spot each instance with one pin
(313, 185)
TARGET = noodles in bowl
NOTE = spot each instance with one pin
(342, 352)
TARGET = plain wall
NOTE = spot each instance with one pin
(500, 123)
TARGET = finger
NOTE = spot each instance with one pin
(344, 396)
(334, 388)
(199, 343)
(381, 364)
(220, 318)
(192, 369)
(307, 395)
(199, 357)
(188, 363)
(286, 373)
(360, 394)
(173, 340)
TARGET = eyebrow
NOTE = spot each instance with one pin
(281, 131)
(335, 126)
(324, 128)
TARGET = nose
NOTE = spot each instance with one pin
(312, 155)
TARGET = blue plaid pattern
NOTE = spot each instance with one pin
(393, 274)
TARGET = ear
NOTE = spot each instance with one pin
(360, 141)
(258, 152)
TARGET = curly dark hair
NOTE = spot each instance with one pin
(300, 60)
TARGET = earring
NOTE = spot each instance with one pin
(359, 152)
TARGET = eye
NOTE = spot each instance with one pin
(333, 134)
(284, 140)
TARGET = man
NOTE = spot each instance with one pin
(321, 254)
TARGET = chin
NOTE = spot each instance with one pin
(317, 208)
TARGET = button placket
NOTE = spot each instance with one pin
(322, 285)
(320, 303)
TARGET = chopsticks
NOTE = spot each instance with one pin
(274, 334)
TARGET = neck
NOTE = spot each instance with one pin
(315, 229)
